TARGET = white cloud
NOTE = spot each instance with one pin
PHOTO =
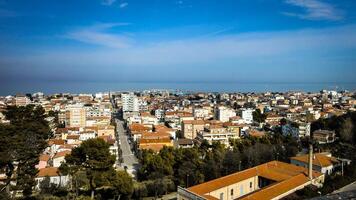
(124, 4)
(108, 2)
(315, 10)
(96, 35)
(207, 50)
(217, 56)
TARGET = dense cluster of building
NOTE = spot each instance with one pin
(159, 118)
(73, 119)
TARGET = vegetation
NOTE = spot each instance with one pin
(345, 128)
(187, 167)
(258, 116)
(21, 143)
(91, 164)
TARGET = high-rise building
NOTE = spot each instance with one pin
(223, 114)
(75, 115)
(129, 102)
(22, 100)
(247, 115)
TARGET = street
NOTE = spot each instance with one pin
(129, 159)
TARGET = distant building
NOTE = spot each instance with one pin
(59, 158)
(304, 129)
(53, 174)
(159, 113)
(322, 162)
(217, 133)
(22, 100)
(183, 143)
(224, 114)
(247, 115)
(324, 136)
(190, 128)
(43, 161)
(201, 113)
(75, 116)
(129, 102)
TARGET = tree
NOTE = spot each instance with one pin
(231, 162)
(93, 157)
(258, 116)
(21, 143)
(346, 131)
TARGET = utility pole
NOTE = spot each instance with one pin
(342, 168)
(187, 184)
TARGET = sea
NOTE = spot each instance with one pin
(49, 87)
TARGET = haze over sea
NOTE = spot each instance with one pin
(93, 87)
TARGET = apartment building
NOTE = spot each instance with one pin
(217, 133)
(191, 128)
(75, 116)
(22, 100)
(129, 102)
(246, 115)
(224, 114)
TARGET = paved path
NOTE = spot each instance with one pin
(129, 159)
(347, 188)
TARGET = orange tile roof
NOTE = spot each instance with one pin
(154, 147)
(49, 171)
(44, 157)
(319, 159)
(278, 189)
(146, 114)
(151, 141)
(61, 154)
(195, 122)
(56, 142)
(155, 135)
(67, 146)
(286, 175)
(138, 127)
(72, 137)
(256, 133)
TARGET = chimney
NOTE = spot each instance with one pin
(310, 167)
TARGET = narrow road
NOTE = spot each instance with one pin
(347, 188)
(129, 159)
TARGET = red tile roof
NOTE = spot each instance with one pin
(49, 171)
(61, 154)
(319, 159)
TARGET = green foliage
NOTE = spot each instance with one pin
(258, 116)
(192, 166)
(93, 159)
(21, 143)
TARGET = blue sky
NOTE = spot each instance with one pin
(177, 40)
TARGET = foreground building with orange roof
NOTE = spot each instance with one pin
(272, 180)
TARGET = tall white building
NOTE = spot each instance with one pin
(129, 102)
(223, 114)
(246, 115)
(159, 113)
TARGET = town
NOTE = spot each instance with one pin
(170, 144)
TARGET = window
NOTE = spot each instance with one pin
(232, 192)
(241, 190)
(221, 196)
(250, 185)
